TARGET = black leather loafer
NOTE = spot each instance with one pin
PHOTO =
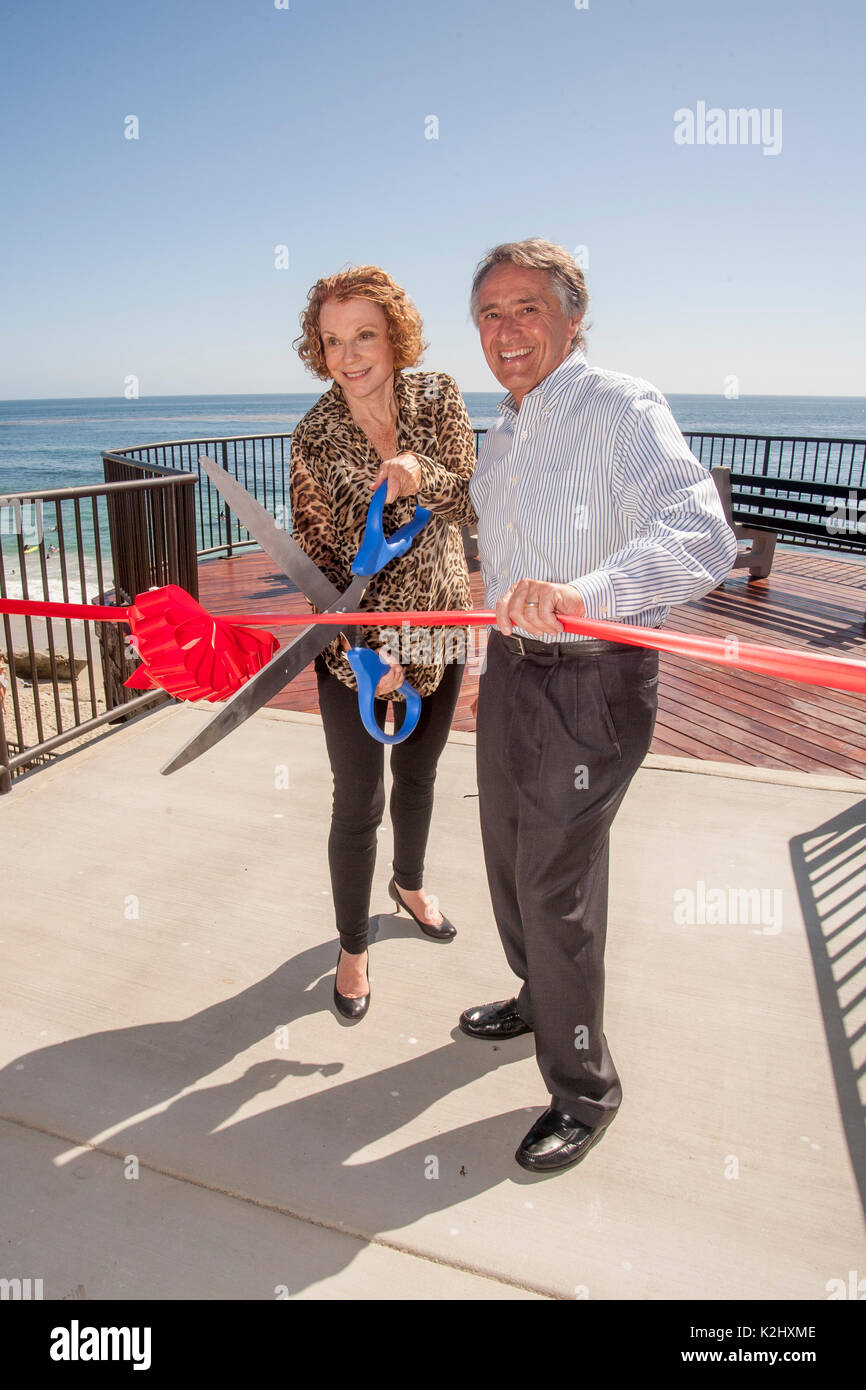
(556, 1141)
(500, 1020)
(348, 1007)
(444, 932)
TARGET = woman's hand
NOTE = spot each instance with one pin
(403, 474)
(392, 679)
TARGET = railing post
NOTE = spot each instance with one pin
(5, 774)
(188, 557)
(228, 515)
(766, 457)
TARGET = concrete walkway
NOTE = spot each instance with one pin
(182, 1114)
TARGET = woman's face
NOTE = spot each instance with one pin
(358, 353)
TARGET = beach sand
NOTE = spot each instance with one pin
(59, 631)
(88, 708)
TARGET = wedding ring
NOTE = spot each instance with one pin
(530, 603)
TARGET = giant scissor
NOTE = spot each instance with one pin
(375, 552)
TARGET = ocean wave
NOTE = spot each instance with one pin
(79, 589)
(255, 418)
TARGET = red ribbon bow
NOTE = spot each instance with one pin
(189, 653)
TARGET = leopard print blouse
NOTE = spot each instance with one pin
(332, 465)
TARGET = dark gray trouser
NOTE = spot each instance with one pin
(559, 738)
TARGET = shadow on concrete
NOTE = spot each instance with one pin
(305, 1156)
(829, 865)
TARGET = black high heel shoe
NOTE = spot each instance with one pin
(444, 932)
(352, 1008)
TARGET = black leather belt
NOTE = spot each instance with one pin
(584, 646)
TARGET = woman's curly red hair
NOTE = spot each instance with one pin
(405, 328)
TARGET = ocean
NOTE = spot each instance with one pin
(58, 443)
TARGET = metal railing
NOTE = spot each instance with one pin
(259, 461)
(766, 471)
(796, 457)
(108, 543)
(157, 515)
(261, 464)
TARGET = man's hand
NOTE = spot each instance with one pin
(533, 605)
(403, 474)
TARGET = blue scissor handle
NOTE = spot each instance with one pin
(376, 549)
(369, 669)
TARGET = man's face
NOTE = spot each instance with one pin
(524, 333)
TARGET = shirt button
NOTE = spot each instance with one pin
(510, 526)
(513, 481)
(525, 434)
(604, 612)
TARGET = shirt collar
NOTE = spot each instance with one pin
(553, 385)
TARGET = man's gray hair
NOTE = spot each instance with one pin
(566, 276)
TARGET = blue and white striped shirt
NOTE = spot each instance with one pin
(591, 484)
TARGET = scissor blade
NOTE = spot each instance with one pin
(282, 668)
(283, 550)
(266, 683)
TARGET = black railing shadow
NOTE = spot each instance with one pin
(818, 623)
(137, 1091)
(829, 865)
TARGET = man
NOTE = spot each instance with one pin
(589, 503)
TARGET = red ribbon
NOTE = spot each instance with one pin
(184, 650)
(195, 656)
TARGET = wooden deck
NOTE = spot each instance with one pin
(810, 600)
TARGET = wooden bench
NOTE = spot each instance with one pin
(760, 508)
(759, 556)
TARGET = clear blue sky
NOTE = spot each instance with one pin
(306, 127)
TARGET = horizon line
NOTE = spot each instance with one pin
(279, 395)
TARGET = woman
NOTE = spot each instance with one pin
(377, 424)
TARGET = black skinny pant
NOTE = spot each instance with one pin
(358, 764)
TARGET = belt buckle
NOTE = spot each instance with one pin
(520, 647)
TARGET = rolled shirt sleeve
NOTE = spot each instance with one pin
(684, 546)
